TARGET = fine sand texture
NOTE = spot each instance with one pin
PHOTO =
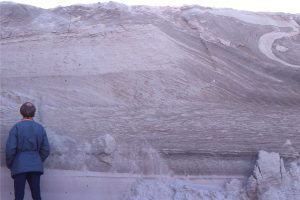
(152, 91)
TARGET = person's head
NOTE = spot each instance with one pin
(27, 110)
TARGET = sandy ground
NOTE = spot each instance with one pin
(78, 185)
(73, 186)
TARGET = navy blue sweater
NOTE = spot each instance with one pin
(26, 147)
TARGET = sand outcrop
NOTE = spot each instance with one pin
(270, 181)
(159, 91)
(180, 85)
(181, 190)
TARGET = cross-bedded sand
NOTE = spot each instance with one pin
(153, 90)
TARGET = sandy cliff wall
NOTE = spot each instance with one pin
(149, 90)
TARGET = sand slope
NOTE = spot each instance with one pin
(153, 90)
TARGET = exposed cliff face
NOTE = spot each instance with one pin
(154, 90)
(270, 180)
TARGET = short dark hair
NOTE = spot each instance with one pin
(27, 110)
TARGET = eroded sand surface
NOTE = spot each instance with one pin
(270, 180)
(155, 91)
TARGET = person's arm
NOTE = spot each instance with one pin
(45, 148)
(11, 147)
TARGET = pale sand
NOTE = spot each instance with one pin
(80, 185)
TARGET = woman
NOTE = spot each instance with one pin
(27, 148)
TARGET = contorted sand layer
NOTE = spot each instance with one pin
(153, 90)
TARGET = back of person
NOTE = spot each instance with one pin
(29, 154)
(26, 148)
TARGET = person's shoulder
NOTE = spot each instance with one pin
(32, 122)
(39, 127)
(19, 123)
(15, 126)
(37, 124)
